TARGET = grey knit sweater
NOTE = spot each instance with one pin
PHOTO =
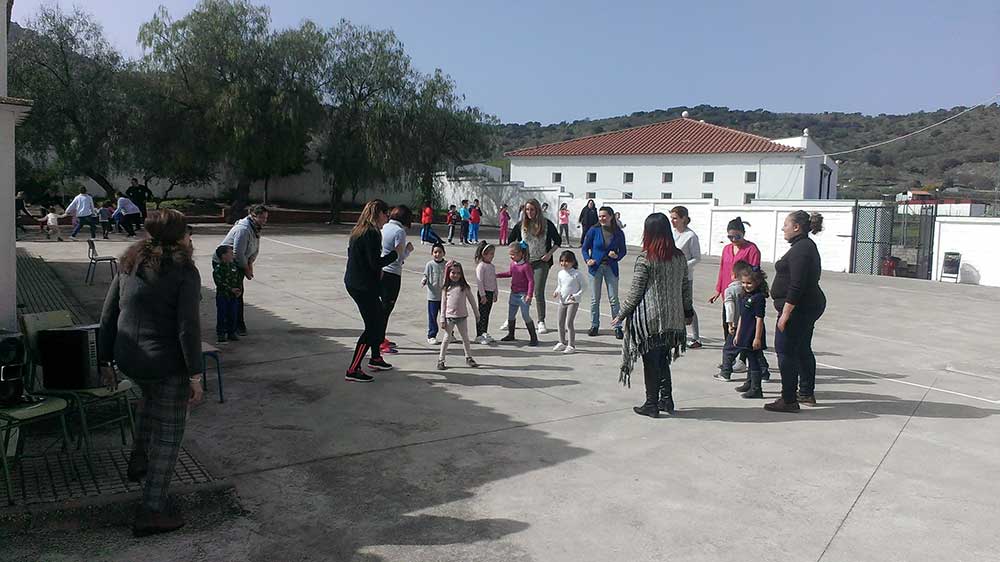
(655, 310)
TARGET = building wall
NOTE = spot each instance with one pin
(974, 238)
(778, 176)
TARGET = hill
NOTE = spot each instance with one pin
(963, 155)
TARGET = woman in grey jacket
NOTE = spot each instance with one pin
(655, 312)
(150, 329)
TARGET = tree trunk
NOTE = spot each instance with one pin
(241, 199)
(165, 194)
(427, 188)
(267, 180)
(335, 201)
(102, 181)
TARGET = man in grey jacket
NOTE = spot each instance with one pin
(244, 237)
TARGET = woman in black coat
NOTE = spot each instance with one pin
(150, 329)
(363, 280)
(800, 302)
(588, 218)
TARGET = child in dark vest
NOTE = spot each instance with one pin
(751, 336)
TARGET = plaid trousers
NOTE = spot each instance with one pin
(160, 429)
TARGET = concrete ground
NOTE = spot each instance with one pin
(538, 456)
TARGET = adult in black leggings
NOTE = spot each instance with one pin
(363, 281)
(800, 302)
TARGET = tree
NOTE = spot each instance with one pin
(254, 88)
(73, 74)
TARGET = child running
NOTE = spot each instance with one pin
(433, 280)
(750, 335)
(486, 278)
(729, 318)
(51, 224)
(568, 292)
(522, 286)
(456, 296)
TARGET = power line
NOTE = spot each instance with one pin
(910, 134)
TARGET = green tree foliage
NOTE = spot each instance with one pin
(72, 73)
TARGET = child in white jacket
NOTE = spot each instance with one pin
(571, 283)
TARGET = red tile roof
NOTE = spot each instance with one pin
(677, 136)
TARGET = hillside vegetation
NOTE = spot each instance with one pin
(963, 155)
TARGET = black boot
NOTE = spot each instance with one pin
(754, 391)
(510, 331)
(745, 387)
(533, 342)
(650, 407)
(138, 463)
(666, 403)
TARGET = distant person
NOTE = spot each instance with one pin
(618, 220)
(466, 216)
(504, 220)
(139, 194)
(800, 302)
(104, 215)
(426, 220)
(151, 329)
(228, 281)
(654, 314)
(82, 209)
(687, 242)
(475, 218)
(129, 214)
(51, 224)
(564, 224)
(21, 210)
(453, 220)
(244, 237)
(588, 218)
(545, 210)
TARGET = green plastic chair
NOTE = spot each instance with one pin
(83, 399)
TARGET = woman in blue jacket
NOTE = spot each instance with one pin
(603, 248)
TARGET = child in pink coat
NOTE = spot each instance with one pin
(522, 286)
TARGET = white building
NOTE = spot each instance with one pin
(680, 159)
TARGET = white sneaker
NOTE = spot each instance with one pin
(740, 367)
(482, 340)
(541, 328)
(73, 238)
(489, 338)
(569, 349)
(558, 347)
(432, 341)
(504, 327)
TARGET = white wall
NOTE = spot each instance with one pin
(947, 209)
(490, 172)
(779, 176)
(973, 237)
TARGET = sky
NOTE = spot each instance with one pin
(552, 61)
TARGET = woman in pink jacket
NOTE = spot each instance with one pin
(739, 248)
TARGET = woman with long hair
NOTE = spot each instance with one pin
(543, 240)
(363, 280)
(687, 242)
(654, 313)
(588, 218)
(602, 249)
(800, 302)
(151, 330)
(394, 236)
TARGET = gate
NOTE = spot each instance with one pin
(872, 248)
(913, 239)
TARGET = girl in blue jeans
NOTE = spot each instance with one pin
(522, 287)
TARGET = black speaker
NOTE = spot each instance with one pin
(11, 359)
(69, 358)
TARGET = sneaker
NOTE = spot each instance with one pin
(233, 337)
(489, 338)
(73, 238)
(723, 376)
(504, 327)
(358, 376)
(779, 405)
(379, 364)
(558, 347)
(441, 366)
(221, 338)
(694, 345)
(766, 376)
(740, 367)
(482, 340)
(619, 334)
(807, 400)
(569, 349)
(541, 327)
(432, 341)
(471, 362)
(592, 332)
(389, 343)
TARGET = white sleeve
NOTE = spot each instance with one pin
(695, 255)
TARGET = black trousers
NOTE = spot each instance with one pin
(241, 324)
(390, 293)
(795, 354)
(483, 325)
(373, 315)
(656, 374)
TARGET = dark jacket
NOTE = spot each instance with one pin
(227, 276)
(796, 278)
(151, 325)
(552, 237)
(365, 262)
(594, 248)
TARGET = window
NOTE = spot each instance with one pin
(666, 195)
(556, 177)
(750, 177)
(626, 195)
(667, 177)
(628, 177)
(707, 177)
(591, 177)
(707, 196)
(590, 195)
(748, 197)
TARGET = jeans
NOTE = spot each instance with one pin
(433, 310)
(564, 232)
(473, 232)
(515, 303)
(795, 355)
(88, 221)
(540, 269)
(225, 314)
(605, 274)
(729, 354)
(465, 232)
(427, 234)
(483, 326)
